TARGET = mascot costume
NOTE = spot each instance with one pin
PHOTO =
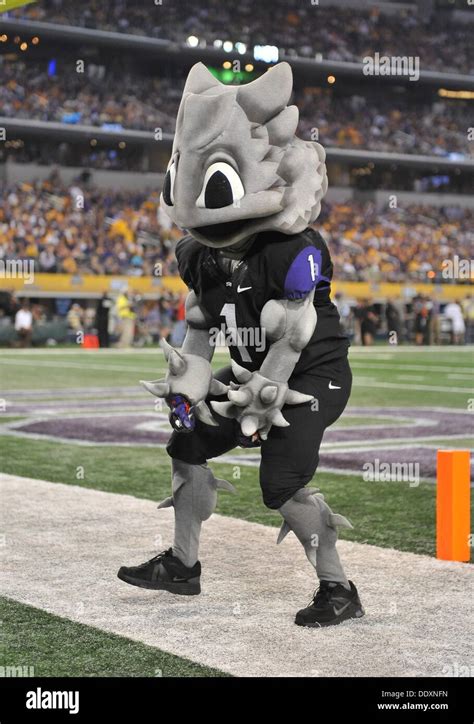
(246, 189)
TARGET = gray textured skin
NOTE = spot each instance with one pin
(190, 372)
(252, 128)
(315, 526)
(257, 404)
(194, 500)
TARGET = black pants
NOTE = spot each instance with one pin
(290, 456)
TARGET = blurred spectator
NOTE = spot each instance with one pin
(368, 323)
(75, 320)
(423, 310)
(394, 320)
(127, 317)
(102, 319)
(468, 313)
(345, 312)
(179, 328)
(24, 324)
(453, 312)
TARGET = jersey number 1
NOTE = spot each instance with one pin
(228, 312)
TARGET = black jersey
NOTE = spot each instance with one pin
(277, 266)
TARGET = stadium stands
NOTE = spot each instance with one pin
(118, 96)
(303, 29)
(91, 231)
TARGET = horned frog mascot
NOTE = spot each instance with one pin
(246, 189)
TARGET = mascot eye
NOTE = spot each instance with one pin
(168, 185)
(222, 186)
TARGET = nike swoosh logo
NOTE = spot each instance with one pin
(177, 579)
(333, 387)
(242, 289)
(338, 611)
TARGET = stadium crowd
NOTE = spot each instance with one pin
(81, 230)
(305, 29)
(118, 96)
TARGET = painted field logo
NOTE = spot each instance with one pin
(39, 699)
(397, 65)
(18, 269)
(380, 472)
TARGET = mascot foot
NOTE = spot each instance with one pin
(331, 605)
(164, 572)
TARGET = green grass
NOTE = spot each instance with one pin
(54, 646)
(391, 515)
(380, 365)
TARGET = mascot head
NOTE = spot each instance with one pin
(237, 167)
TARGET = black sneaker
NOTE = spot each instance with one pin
(164, 572)
(332, 604)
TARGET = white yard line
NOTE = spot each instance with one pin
(85, 366)
(64, 544)
(421, 368)
(369, 382)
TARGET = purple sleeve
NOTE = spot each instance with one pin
(304, 273)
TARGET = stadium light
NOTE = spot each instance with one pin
(35, 40)
(217, 43)
(3, 38)
(462, 94)
(241, 48)
(228, 46)
(266, 53)
(24, 46)
(249, 67)
(331, 79)
(192, 41)
(227, 64)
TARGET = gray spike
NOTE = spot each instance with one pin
(224, 409)
(222, 484)
(278, 420)
(176, 363)
(268, 394)
(204, 414)
(241, 398)
(263, 433)
(217, 388)
(241, 373)
(249, 425)
(284, 530)
(159, 388)
(339, 520)
(293, 397)
(167, 348)
(166, 503)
